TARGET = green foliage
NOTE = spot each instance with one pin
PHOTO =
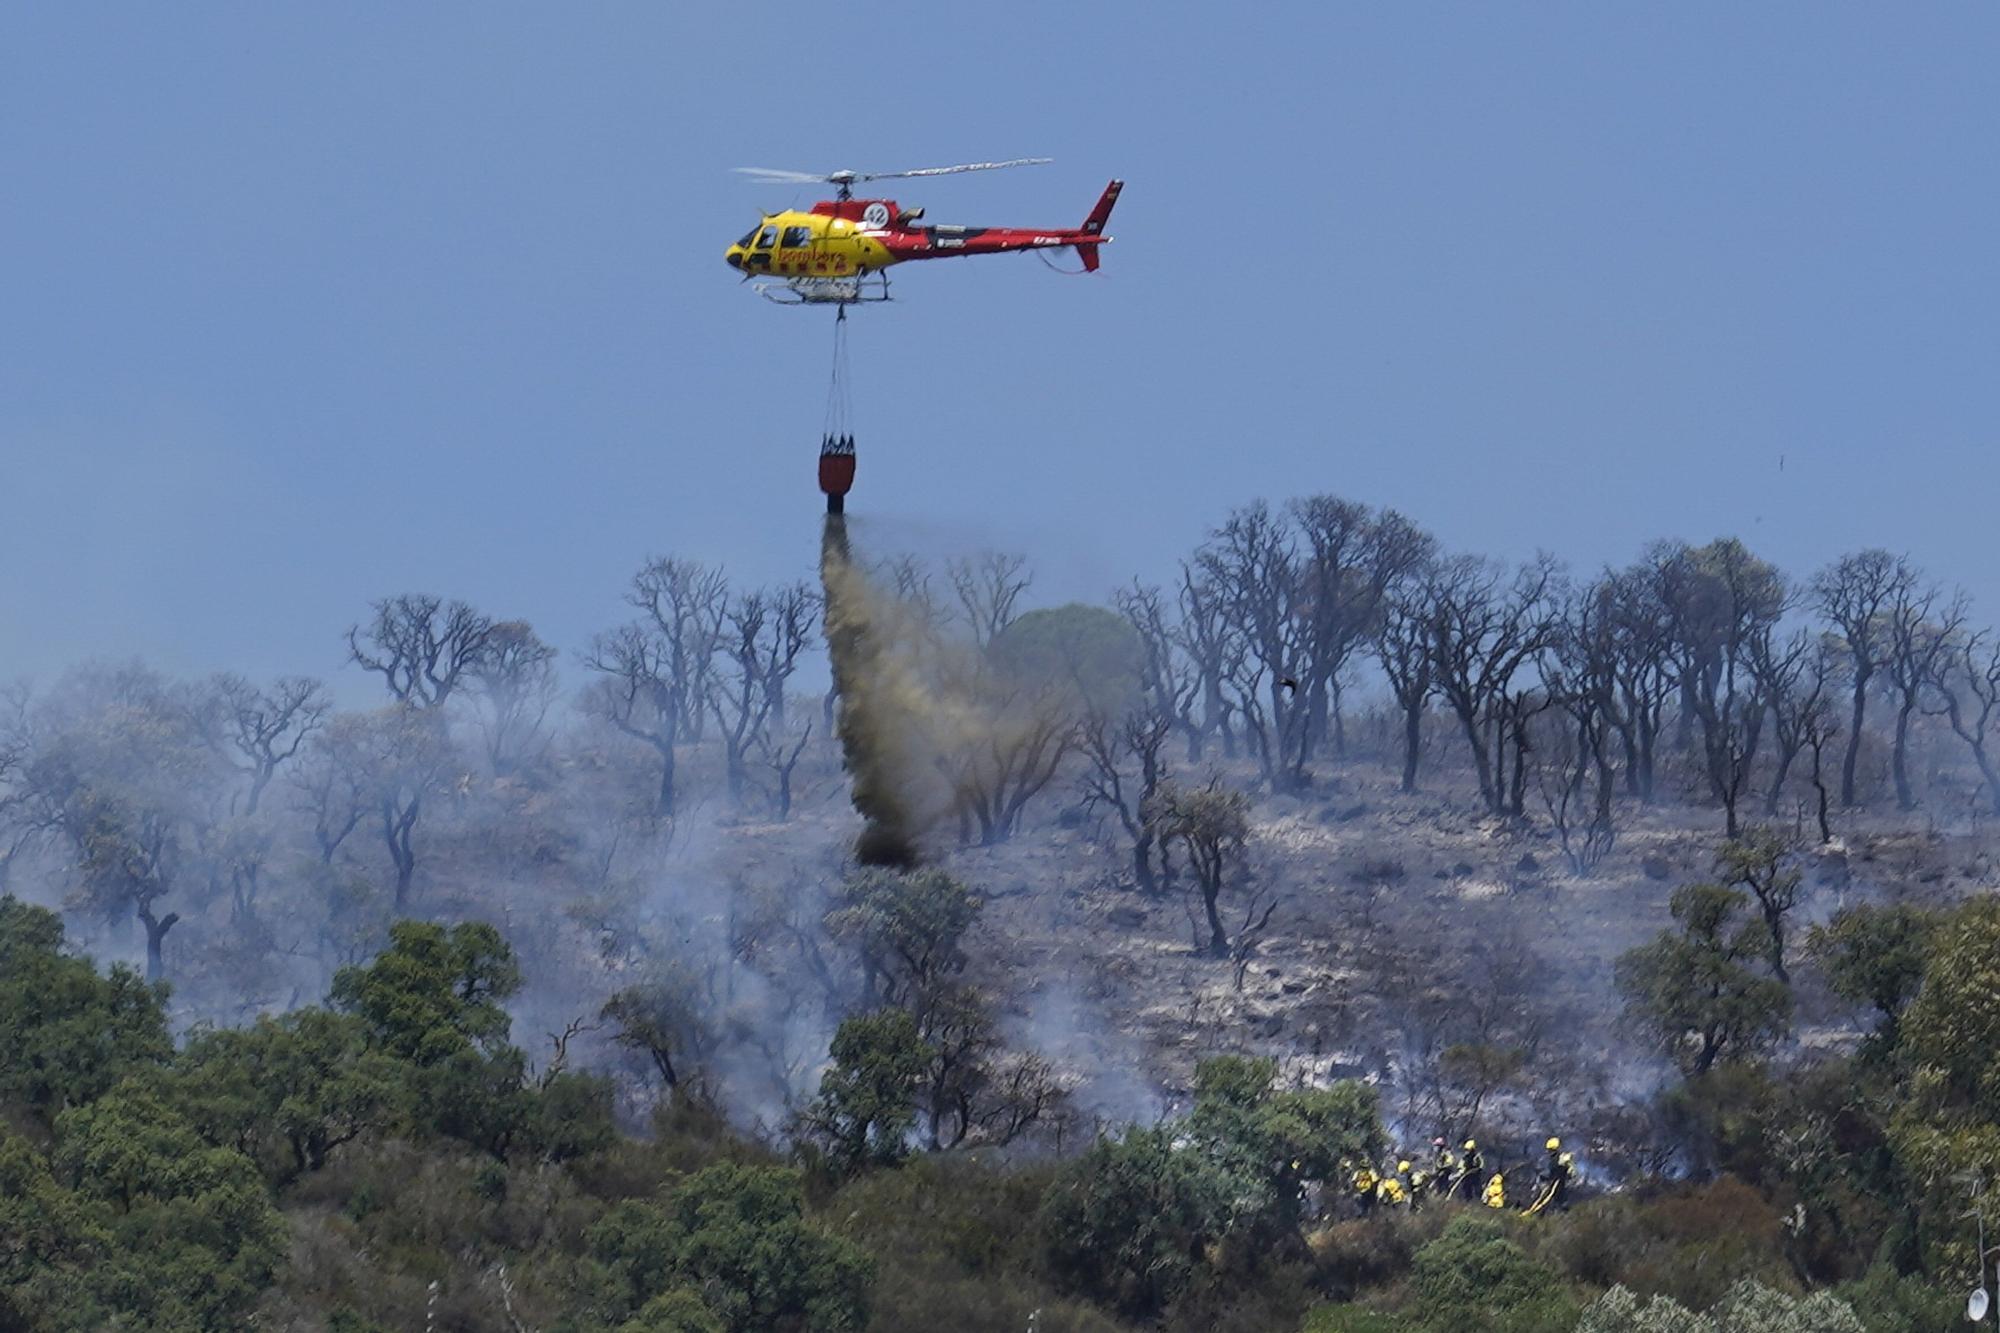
(1952, 1028)
(289, 1090)
(676, 1311)
(68, 1033)
(1748, 1307)
(1888, 1302)
(433, 992)
(1352, 1319)
(954, 1249)
(1876, 956)
(906, 927)
(1125, 1223)
(1270, 1144)
(1474, 1276)
(738, 1235)
(1093, 653)
(866, 1107)
(1700, 992)
(191, 1236)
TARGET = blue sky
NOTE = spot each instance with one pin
(305, 305)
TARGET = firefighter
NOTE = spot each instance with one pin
(1495, 1194)
(1365, 1181)
(1471, 1169)
(1417, 1182)
(1552, 1190)
(1444, 1166)
(1390, 1190)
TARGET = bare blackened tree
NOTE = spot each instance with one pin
(1724, 603)
(1483, 632)
(421, 646)
(1579, 672)
(1855, 593)
(1402, 648)
(1252, 563)
(988, 587)
(1969, 696)
(637, 697)
(1350, 559)
(1125, 765)
(781, 751)
(1792, 678)
(1922, 635)
(267, 728)
(1642, 666)
(762, 635)
(407, 759)
(1167, 675)
(1215, 651)
(515, 680)
(659, 669)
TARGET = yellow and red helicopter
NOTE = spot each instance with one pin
(827, 254)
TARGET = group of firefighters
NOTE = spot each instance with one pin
(1463, 1175)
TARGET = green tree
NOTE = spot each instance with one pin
(1876, 956)
(1698, 990)
(1270, 1144)
(1472, 1276)
(738, 1235)
(906, 927)
(289, 1090)
(676, 1311)
(194, 1239)
(433, 992)
(68, 1033)
(1124, 1223)
(867, 1103)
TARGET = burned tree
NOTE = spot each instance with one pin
(988, 588)
(1922, 636)
(1252, 564)
(1724, 604)
(421, 646)
(267, 728)
(658, 670)
(1855, 593)
(1126, 764)
(1969, 697)
(1211, 824)
(515, 681)
(1482, 632)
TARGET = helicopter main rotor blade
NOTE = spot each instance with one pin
(774, 176)
(952, 171)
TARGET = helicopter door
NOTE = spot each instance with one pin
(795, 253)
(760, 255)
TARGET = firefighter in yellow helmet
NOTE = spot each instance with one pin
(1416, 1181)
(1444, 1166)
(1471, 1169)
(1390, 1191)
(1552, 1189)
(1495, 1193)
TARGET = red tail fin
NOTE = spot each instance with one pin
(1094, 225)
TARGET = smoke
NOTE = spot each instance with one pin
(878, 696)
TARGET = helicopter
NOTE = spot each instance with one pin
(829, 254)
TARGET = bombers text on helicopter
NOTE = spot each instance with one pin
(826, 255)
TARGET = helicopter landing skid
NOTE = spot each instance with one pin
(826, 291)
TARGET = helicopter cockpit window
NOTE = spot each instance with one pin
(748, 237)
(796, 236)
(766, 237)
